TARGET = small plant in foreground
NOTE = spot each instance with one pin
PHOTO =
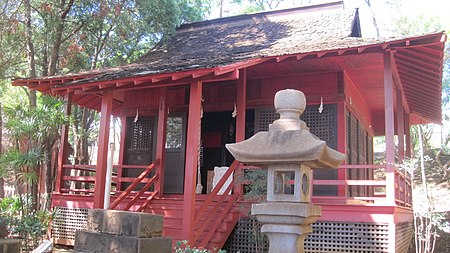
(184, 247)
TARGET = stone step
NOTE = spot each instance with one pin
(95, 242)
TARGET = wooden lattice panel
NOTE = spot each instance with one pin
(246, 238)
(263, 118)
(323, 124)
(141, 134)
(336, 237)
(66, 222)
(403, 235)
(342, 237)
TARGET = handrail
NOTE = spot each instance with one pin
(133, 185)
(213, 196)
(140, 193)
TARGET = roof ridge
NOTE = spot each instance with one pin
(261, 16)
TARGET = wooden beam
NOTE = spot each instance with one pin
(192, 146)
(398, 82)
(161, 139)
(418, 74)
(63, 155)
(417, 66)
(415, 53)
(405, 55)
(282, 58)
(102, 153)
(389, 128)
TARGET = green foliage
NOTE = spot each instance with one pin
(257, 189)
(20, 223)
(184, 247)
(249, 6)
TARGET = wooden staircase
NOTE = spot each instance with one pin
(216, 214)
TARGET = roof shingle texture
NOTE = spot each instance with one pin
(224, 43)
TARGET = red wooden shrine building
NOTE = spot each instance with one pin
(187, 91)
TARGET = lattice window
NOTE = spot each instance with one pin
(323, 125)
(359, 151)
(141, 134)
(263, 118)
(67, 221)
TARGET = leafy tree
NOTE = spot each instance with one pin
(48, 37)
(33, 131)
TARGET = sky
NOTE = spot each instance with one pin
(383, 12)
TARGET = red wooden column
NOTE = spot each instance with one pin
(161, 138)
(407, 136)
(63, 146)
(400, 126)
(241, 104)
(123, 131)
(102, 154)
(389, 128)
(190, 175)
(342, 145)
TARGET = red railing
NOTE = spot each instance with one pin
(133, 186)
(217, 205)
(83, 185)
(370, 189)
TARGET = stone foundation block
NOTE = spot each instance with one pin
(8, 245)
(94, 242)
(132, 224)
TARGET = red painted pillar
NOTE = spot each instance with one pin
(63, 146)
(342, 145)
(241, 104)
(190, 175)
(161, 138)
(407, 136)
(102, 154)
(389, 128)
(123, 131)
(400, 127)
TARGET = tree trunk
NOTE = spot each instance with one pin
(30, 50)
(54, 56)
(2, 180)
(48, 177)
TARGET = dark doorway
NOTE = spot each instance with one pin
(175, 153)
(139, 145)
(219, 128)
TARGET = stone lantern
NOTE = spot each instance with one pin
(288, 151)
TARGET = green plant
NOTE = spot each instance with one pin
(20, 223)
(256, 190)
(184, 247)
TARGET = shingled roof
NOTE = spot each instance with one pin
(236, 39)
(316, 38)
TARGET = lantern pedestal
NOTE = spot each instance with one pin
(286, 224)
